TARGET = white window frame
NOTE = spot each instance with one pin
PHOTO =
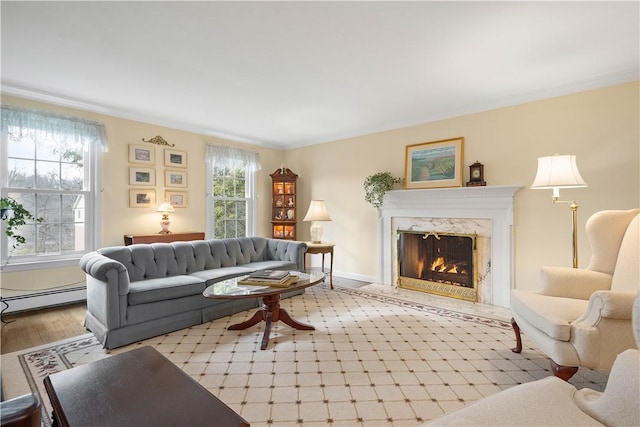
(250, 199)
(226, 156)
(93, 217)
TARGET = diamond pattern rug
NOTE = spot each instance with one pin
(373, 360)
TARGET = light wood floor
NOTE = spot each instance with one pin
(37, 327)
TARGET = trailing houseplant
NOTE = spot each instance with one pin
(15, 215)
(376, 185)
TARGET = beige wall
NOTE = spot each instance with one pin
(601, 127)
(118, 217)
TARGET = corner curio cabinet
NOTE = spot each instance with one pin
(283, 204)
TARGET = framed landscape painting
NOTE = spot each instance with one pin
(434, 164)
(175, 158)
(175, 178)
(142, 176)
(142, 198)
(142, 154)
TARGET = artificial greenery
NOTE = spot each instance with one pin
(376, 185)
(15, 215)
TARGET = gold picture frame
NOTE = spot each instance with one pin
(175, 158)
(142, 198)
(177, 199)
(436, 164)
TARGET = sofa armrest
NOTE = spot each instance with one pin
(107, 289)
(288, 250)
(572, 282)
(608, 305)
(21, 411)
(104, 268)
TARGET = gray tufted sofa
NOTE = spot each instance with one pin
(141, 291)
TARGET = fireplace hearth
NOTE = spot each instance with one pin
(438, 263)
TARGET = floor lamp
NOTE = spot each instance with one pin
(556, 172)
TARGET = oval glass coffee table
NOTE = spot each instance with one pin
(270, 311)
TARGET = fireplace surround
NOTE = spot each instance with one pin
(484, 211)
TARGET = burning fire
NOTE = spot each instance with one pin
(440, 266)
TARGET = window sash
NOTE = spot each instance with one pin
(229, 157)
(32, 126)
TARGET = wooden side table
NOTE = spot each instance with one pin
(130, 239)
(321, 248)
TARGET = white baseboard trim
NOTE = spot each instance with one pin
(43, 299)
(352, 276)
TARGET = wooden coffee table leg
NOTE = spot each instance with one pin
(267, 331)
(270, 313)
(286, 318)
(255, 319)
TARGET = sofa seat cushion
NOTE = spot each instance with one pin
(219, 274)
(166, 288)
(271, 265)
(551, 315)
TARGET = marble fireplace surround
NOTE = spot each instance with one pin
(487, 211)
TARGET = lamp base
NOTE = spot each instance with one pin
(165, 227)
(316, 232)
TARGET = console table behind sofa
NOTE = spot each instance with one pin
(144, 290)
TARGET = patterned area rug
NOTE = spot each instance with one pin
(373, 360)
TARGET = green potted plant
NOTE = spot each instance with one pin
(15, 215)
(376, 185)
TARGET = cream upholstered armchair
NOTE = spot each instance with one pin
(553, 402)
(582, 317)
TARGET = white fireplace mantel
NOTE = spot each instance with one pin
(494, 203)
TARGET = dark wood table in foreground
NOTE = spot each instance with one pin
(270, 311)
(137, 388)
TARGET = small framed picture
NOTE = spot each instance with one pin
(142, 154)
(175, 158)
(434, 164)
(142, 198)
(175, 178)
(142, 176)
(177, 199)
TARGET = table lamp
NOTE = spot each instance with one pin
(165, 208)
(317, 212)
(556, 172)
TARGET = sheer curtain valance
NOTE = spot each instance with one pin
(231, 157)
(21, 123)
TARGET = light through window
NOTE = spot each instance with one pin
(50, 170)
(231, 201)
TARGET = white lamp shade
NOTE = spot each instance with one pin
(165, 207)
(317, 212)
(559, 171)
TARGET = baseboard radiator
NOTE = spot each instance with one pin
(43, 299)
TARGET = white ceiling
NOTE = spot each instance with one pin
(289, 74)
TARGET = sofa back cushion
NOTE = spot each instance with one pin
(145, 261)
(159, 260)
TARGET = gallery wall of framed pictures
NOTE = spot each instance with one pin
(142, 174)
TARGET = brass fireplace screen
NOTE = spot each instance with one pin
(438, 263)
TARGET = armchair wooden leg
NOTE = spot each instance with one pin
(516, 329)
(563, 372)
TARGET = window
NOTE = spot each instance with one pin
(231, 202)
(50, 166)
